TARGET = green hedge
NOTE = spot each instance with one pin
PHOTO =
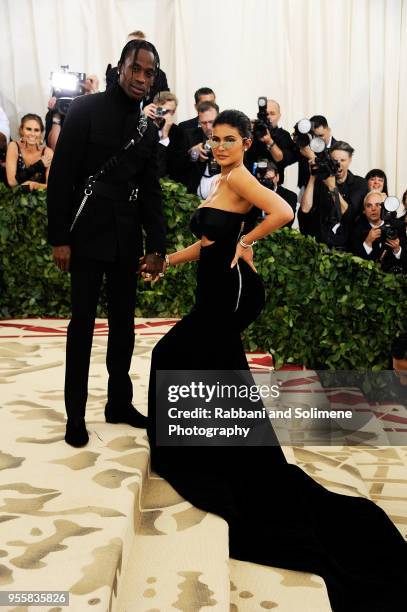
(324, 309)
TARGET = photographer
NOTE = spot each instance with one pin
(200, 168)
(270, 141)
(333, 197)
(267, 174)
(171, 148)
(374, 240)
(55, 118)
(203, 94)
(320, 129)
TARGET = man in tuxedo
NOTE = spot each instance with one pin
(203, 94)
(272, 176)
(200, 168)
(107, 237)
(370, 242)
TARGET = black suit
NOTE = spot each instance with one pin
(379, 252)
(193, 171)
(259, 150)
(107, 239)
(173, 157)
(190, 124)
(291, 198)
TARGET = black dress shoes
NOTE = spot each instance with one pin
(76, 434)
(125, 414)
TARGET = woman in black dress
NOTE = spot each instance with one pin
(349, 541)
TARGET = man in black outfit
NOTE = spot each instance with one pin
(289, 196)
(368, 240)
(203, 94)
(106, 239)
(276, 146)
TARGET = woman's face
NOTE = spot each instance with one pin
(31, 132)
(375, 182)
(228, 146)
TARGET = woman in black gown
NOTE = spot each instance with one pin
(349, 541)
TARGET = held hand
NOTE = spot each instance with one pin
(32, 185)
(152, 267)
(47, 159)
(308, 153)
(245, 254)
(62, 257)
(394, 244)
(150, 110)
(51, 103)
(373, 235)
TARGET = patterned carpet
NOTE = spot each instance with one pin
(96, 523)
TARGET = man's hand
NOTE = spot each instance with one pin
(373, 235)
(394, 244)
(51, 103)
(330, 182)
(169, 122)
(91, 84)
(62, 257)
(47, 159)
(267, 139)
(150, 110)
(199, 149)
(308, 153)
(152, 267)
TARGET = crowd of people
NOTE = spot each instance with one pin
(337, 207)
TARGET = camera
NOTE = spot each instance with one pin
(391, 225)
(213, 167)
(324, 165)
(159, 114)
(262, 123)
(66, 86)
(260, 174)
(303, 133)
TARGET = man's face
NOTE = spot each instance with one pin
(323, 132)
(270, 174)
(206, 120)
(137, 73)
(273, 113)
(372, 208)
(344, 160)
(205, 98)
(400, 367)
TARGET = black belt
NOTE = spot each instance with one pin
(125, 193)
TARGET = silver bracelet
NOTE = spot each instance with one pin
(244, 244)
(167, 260)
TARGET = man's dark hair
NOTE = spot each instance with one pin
(399, 347)
(135, 46)
(380, 174)
(272, 166)
(202, 91)
(319, 121)
(236, 119)
(341, 145)
(205, 106)
(404, 199)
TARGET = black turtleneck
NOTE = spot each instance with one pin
(95, 128)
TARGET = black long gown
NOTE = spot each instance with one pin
(349, 541)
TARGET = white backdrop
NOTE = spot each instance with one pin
(344, 59)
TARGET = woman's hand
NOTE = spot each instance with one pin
(32, 185)
(243, 253)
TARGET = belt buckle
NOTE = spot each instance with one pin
(133, 195)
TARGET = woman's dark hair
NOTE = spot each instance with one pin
(236, 119)
(380, 174)
(32, 117)
(135, 46)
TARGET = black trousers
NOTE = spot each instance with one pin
(86, 281)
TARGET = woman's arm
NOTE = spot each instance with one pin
(190, 253)
(11, 164)
(278, 212)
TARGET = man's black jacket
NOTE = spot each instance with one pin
(172, 159)
(379, 250)
(189, 124)
(95, 128)
(193, 171)
(259, 150)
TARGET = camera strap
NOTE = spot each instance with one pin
(109, 165)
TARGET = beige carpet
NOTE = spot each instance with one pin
(93, 521)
